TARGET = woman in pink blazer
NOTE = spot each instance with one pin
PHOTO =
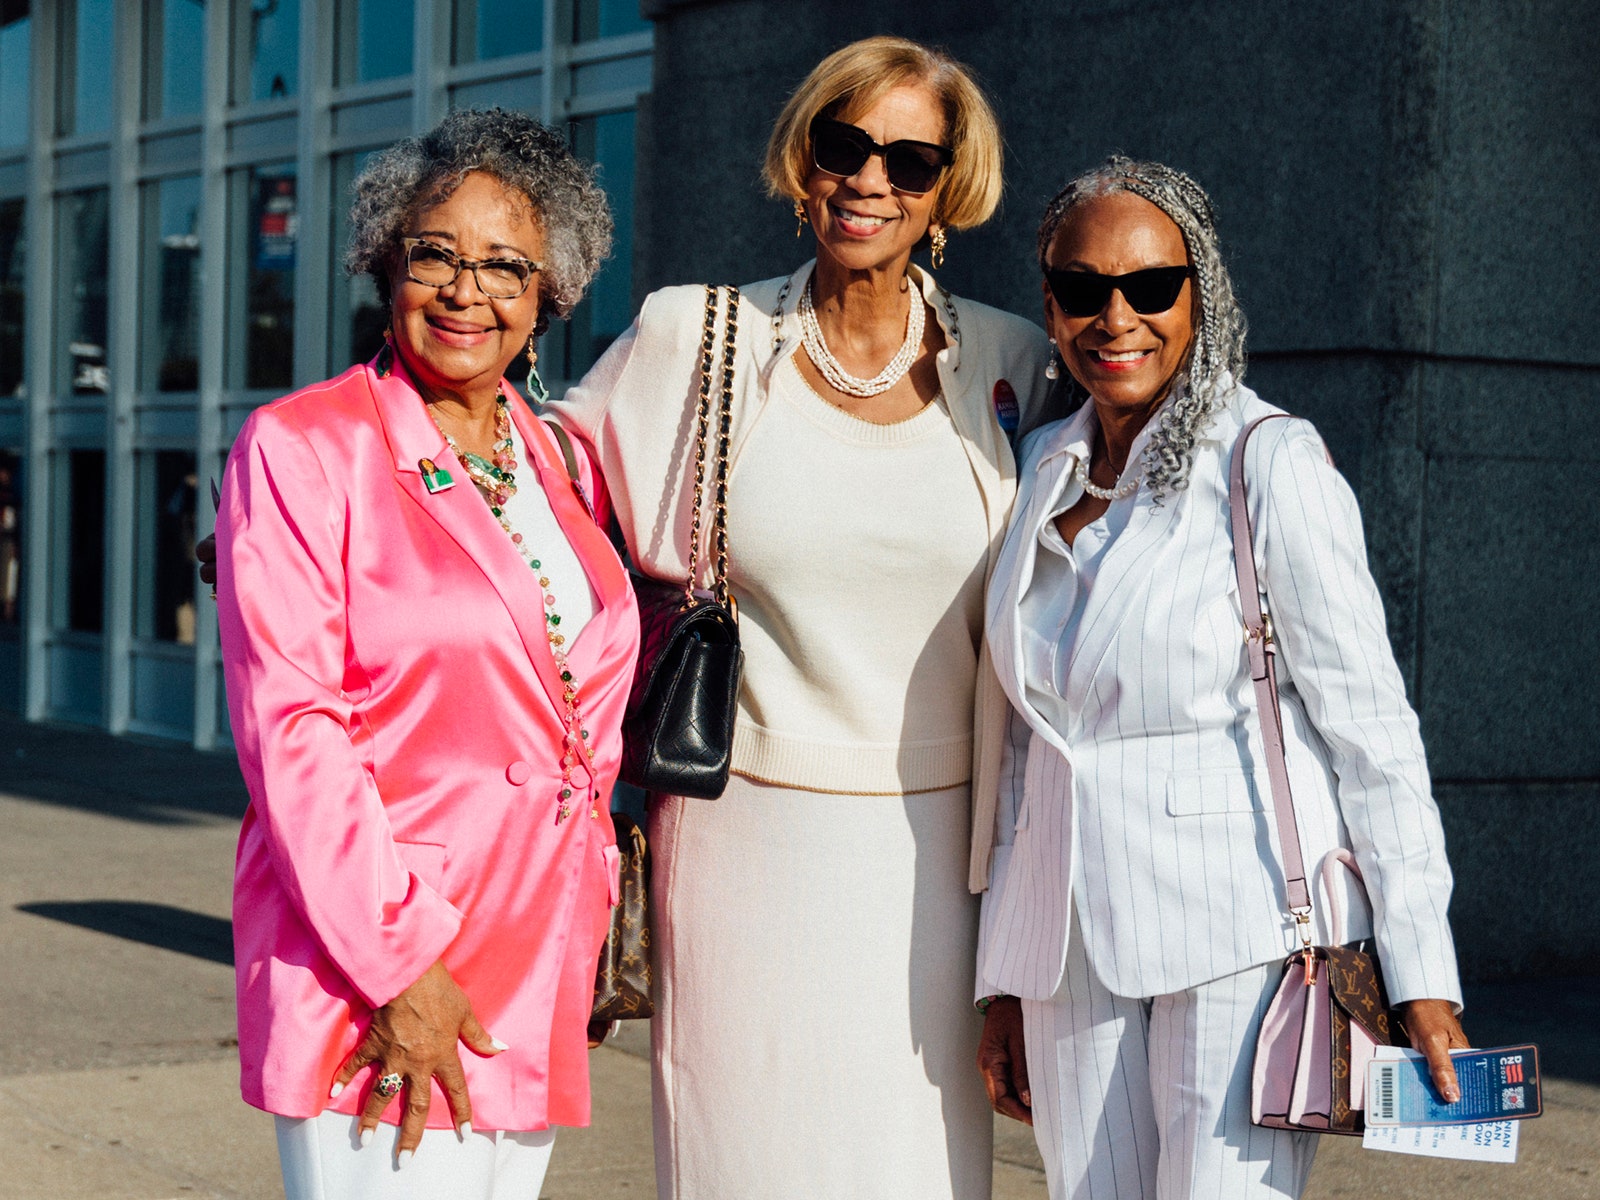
(428, 643)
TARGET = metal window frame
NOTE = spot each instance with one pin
(227, 130)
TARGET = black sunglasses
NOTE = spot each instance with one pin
(841, 149)
(1085, 294)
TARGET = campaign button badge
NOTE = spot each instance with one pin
(1006, 410)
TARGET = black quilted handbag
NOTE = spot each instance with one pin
(677, 732)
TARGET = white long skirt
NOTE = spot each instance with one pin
(814, 1034)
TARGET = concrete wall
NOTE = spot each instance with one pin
(1405, 191)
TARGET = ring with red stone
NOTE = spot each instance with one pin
(389, 1085)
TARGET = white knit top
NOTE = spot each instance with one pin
(858, 556)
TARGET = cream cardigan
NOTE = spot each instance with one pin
(636, 408)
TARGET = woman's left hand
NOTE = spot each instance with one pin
(415, 1036)
(1434, 1031)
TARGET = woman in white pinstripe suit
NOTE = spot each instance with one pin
(1133, 931)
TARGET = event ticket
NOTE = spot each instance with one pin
(1496, 1085)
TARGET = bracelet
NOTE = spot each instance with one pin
(983, 1005)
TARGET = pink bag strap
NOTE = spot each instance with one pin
(1262, 649)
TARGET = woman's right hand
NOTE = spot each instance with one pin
(205, 553)
(1003, 1062)
(415, 1036)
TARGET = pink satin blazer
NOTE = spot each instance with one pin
(398, 720)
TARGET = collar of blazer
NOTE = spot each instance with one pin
(1128, 570)
(460, 511)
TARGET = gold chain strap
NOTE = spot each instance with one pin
(708, 341)
(729, 339)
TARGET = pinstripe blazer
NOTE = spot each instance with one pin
(1141, 789)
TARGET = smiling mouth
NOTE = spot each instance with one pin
(457, 327)
(859, 220)
(1120, 356)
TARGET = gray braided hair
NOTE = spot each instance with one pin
(1218, 351)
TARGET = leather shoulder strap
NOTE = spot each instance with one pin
(568, 455)
(1262, 650)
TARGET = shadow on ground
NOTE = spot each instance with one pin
(161, 925)
(136, 779)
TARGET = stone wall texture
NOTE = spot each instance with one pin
(1406, 196)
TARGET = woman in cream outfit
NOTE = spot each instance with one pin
(1136, 905)
(807, 1041)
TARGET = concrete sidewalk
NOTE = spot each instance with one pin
(117, 1073)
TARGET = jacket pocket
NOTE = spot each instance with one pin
(1199, 792)
(425, 860)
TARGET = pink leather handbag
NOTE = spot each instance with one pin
(1330, 1011)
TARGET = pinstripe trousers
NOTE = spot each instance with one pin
(1149, 1099)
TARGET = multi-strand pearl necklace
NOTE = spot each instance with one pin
(1124, 489)
(840, 379)
(496, 481)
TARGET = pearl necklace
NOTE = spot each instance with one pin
(497, 484)
(840, 379)
(1123, 490)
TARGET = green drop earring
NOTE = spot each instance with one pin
(384, 363)
(537, 392)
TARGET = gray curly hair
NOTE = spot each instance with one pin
(523, 155)
(1218, 351)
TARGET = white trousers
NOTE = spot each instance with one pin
(322, 1159)
(1149, 1099)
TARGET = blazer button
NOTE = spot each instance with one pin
(518, 773)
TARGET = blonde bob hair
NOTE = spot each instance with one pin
(851, 80)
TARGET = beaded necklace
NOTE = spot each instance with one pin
(496, 480)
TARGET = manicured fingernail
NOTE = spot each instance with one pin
(498, 1044)
(1027, 1099)
(1452, 1093)
(333, 1092)
(405, 1157)
(366, 1138)
(464, 1130)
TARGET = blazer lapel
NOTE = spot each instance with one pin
(1126, 572)
(1133, 562)
(1045, 477)
(460, 511)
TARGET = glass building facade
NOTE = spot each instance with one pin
(173, 184)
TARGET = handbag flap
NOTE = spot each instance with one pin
(664, 617)
(1358, 990)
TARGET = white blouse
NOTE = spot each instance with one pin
(530, 514)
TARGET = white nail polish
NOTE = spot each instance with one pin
(464, 1130)
(498, 1044)
(333, 1092)
(404, 1158)
(366, 1138)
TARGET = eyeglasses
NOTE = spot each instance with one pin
(841, 149)
(1085, 294)
(498, 278)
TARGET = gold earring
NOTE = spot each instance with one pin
(384, 363)
(937, 237)
(800, 217)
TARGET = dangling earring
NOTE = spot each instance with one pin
(384, 363)
(937, 237)
(800, 217)
(534, 386)
(1051, 369)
